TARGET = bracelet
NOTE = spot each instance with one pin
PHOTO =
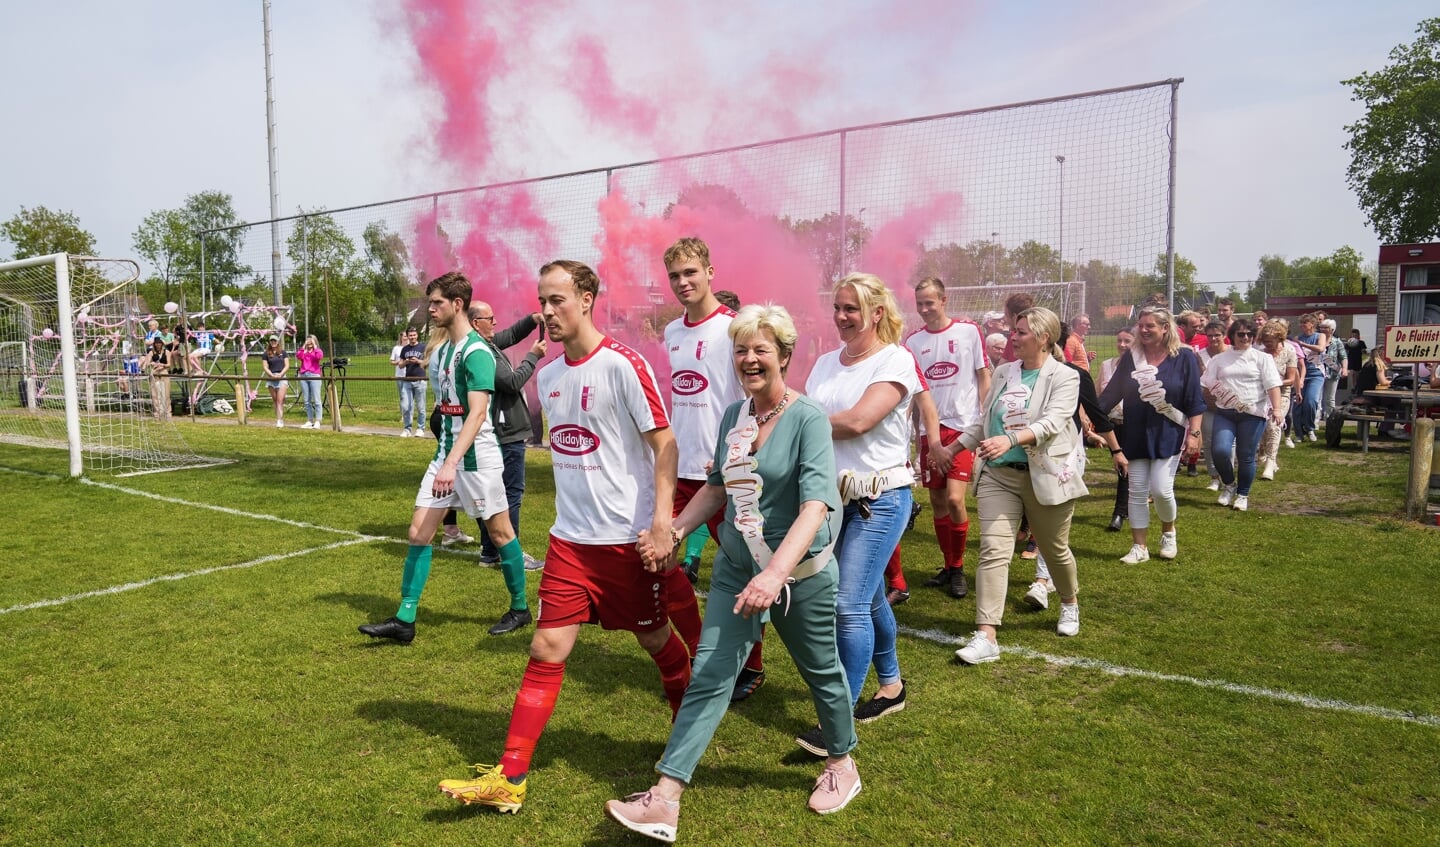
(1117, 450)
(1011, 436)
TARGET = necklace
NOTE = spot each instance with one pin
(769, 416)
(845, 352)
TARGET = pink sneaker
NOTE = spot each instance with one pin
(837, 786)
(647, 814)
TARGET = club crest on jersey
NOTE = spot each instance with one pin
(587, 397)
(687, 383)
(573, 440)
(699, 350)
(951, 342)
(942, 370)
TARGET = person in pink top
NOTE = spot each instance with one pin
(310, 356)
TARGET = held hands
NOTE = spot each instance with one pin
(657, 546)
(759, 594)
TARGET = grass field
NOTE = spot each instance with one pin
(180, 666)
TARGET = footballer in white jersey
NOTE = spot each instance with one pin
(949, 358)
(598, 408)
(702, 385)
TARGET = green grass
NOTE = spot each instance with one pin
(241, 707)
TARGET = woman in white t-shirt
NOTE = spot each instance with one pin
(866, 388)
(1243, 386)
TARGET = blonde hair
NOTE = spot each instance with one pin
(767, 317)
(1042, 321)
(872, 293)
(1167, 324)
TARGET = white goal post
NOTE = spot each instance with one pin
(71, 331)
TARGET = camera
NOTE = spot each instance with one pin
(341, 362)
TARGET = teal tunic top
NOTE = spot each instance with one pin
(796, 464)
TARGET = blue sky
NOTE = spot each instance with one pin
(126, 108)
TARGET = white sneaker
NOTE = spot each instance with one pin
(1268, 472)
(457, 538)
(533, 564)
(1311, 436)
(1168, 548)
(1289, 442)
(1069, 619)
(1227, 496)
(1214, 484)
(1138, 553)
(404, 433)
(979, 650)
(279, 424)
(1242, 503)
(1038, 597)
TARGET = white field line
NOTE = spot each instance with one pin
(229, 511)
(1306, 700)
(145, 583)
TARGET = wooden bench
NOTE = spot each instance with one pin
(1363, 416)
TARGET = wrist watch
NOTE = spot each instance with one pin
(1195, 432)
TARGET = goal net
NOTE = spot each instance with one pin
(1065, 299)
(71, 375)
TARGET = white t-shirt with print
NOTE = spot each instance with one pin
(598, 409)
(702, 386)
(949, 359)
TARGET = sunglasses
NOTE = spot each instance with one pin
(1244, 335)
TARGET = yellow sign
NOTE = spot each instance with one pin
(1412, 343)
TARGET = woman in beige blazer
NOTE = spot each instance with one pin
(1033, 465)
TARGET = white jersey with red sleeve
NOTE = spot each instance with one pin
(837, 387)
(949, 359)
(702, 386)
(598, 409)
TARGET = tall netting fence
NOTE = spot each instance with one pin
(1067, 198)
(73, 369)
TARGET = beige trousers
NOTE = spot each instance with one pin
(1005, 498)
(1270, 441)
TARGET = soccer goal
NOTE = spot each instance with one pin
(1066, 299)
(71, 333)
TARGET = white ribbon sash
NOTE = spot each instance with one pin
(744, 485)
(1152, 390)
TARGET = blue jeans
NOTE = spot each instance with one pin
(1236, 433)
(412, 404)
(865, 623)
(1309, 408)
(310, 393)
(514, 456)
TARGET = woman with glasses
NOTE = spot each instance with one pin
(1215, 344)
(1157, 387)
(1313, 342)
(1243, 386)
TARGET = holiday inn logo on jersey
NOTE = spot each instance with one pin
(686, 383)
(573, 440)
(942, 370)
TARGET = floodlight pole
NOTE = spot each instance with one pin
(993, 245)
(274, 175)
(1061, 160)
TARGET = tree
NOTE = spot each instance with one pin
(323, 256)
(1035, 262)
(40, 232)
(820, 237)
(1395, 158)
(170, 240)
(1185, 287)
(389, 283)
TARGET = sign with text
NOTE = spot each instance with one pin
(1412, 343)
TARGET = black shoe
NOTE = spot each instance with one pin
(896, 596)
(878, 707)
(914, 513)
(489, 559)
(692, 570)
(394, 629)
(1117, 521)
(959, 585)
(813, 740)
(512, 620)
(941, 579)
(747, 683)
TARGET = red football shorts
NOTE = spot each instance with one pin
(959, 469)
(600, 583)
(685, 490)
